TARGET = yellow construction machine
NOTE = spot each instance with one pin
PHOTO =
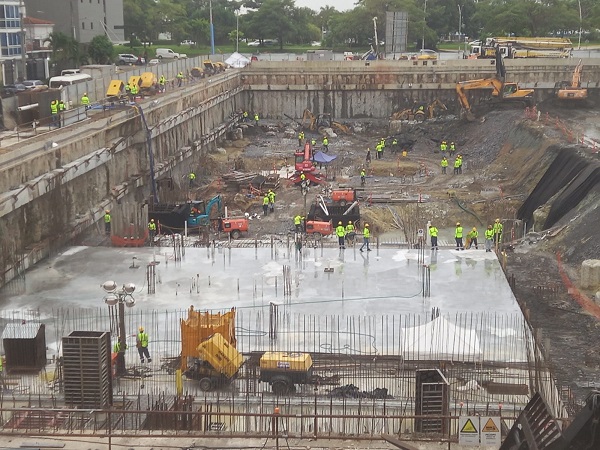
(434, 109)
(501, 90)
(572, 90)
(283, 371)
(115, 91)
(323, 120)
(417, 113)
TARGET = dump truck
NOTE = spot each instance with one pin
(218, 363)
(172, 218)
(283, 371)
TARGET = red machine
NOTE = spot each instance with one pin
(304, 161)
(235, 227)
(304, 164)
(343, 196)
(318, 229)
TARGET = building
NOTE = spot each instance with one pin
(10, 40)
(81, 19)
(37, 32)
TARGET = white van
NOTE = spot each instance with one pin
(69, 72)
(68, 80)
(167, 53)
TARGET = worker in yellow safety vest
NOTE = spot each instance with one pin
(498, 227)
(366, 237)
(458, 236)
(142, 345)
(444, 165)
(298, 223)
(107, 220)
(489, 238)
(266, 204)
(340, 232)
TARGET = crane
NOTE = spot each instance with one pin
(573, 90)
(501, 90)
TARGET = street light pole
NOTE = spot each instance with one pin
(459, 29)
(424, 24)
(23, 45)
(123, 297)
(212, 29)
(580, 25)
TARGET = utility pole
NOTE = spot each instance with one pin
(23, 46)
(424, 24)
(375, 35)
(237, 30)
(212, 29)
(580, 26)
(459, 29)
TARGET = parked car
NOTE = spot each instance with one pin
(266, 42)
(425, 54)
(31, 84)
(167, 53)
(128, 58)
(154, 62)
(12, 89)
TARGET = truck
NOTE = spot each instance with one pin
(235, 226)
(217, 364)
(522, 47)
(172, 218)
(283, 371)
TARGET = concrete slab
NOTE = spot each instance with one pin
(370, 302)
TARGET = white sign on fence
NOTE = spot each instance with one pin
(490, 431)
(468, 430)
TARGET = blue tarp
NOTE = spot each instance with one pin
(323, 158)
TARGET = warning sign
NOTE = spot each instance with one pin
(420, 232)
(490, 431)
(468, 430)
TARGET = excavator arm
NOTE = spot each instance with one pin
(485, 83)
(576, 82)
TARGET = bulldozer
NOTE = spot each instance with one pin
(573, 90)
(417, 113)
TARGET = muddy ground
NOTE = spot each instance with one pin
(504, 157)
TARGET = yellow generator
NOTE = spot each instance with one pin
(217, 363)
(284, 370)
(200, 326)
(116, 90)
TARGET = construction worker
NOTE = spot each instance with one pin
(452, 148)
(179, 79)
(117, 347)
(134, 91)
(443, 147)
(498, 227)
(382, 143)
(458, 236)
(151, 230)
(379, 149)
(302, 177)
(85, 100)
(363, 175)
(350, 232)
(433, 232)
(162, 84)
(300, 138)
(107, 220)
(456, 165)
(271, 195)
(191, 178)
(395, 145)
(256, 118)
(340, 232)
(61, 106)
(128, 91)
(473, 234)
(368, 157)
(266, 204)
(459, 158)
(489, 238)
(298, 223)
(142, 345)
(325, 144)
(366, 237)
(444, 165)
(54, 112)
(245, 116)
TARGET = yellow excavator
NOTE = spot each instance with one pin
(573, 90)
(316, 123)
(420, 113)
(501, 90)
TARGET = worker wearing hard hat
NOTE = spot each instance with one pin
(489, 237)
(458, 236)
(498, 227)
(151, 230)
(473, 234)
(142, 345)
(107, 219)
(366, 237)
(340, 232)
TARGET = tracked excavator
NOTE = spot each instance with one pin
(572, 90)
(501, 90)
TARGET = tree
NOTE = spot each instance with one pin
(65, 50)
(101, 50)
